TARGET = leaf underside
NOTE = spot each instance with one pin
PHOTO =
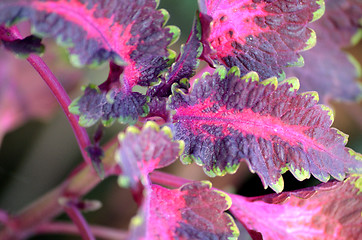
(328, 211)
(327, 68)
(226, 119)
(195, 211)
(260, 35)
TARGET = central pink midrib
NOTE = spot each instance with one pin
(96, 30)
(289, 133)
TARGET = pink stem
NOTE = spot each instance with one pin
(57, 89)
(168, 179)
(68, 228)
(78, 219)
(80, 182)
(64, 101)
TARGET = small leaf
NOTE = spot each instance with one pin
(141, 152)
(96, 105)
(186, 63)
(96, 154)
(195, 211)
(127, 32)
(262, 36)
(330, 210)
(327, 68)
(226, 119)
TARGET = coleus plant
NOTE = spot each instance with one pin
(247, 109)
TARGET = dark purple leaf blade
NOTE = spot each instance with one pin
(185, 64)
(23, 47)
(328, 211)
(226, 119)
(327, 68)
(108, 106)
(260, 35)
(97, 31)
(141, 152)
(195, 211)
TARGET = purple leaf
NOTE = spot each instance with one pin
(141, 152)
(328, 211)
(260, 35)
(94, 105)
(226, 119)
(109, 101)
(195, 211)
(128, 32)
(327, 68)
(186, 63)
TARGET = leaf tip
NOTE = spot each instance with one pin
(131, 130)
(298, 63)
(165, 14)
(175, 31)
(300, 174)
(293, 81)
(154, 126)
(251, 76)
(186, 159)
(221, 71)
(312, 94)
(311, 42)
(181, 146)
(278, 186)
(235, 71)
(319, 13)
(328, 110)
(270, 81)
(357, 183)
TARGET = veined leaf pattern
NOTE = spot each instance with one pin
(226, 119)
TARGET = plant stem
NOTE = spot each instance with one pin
(79, 221)
(168, 179)
(68, 228)
(80, 182)
(64, 101)
(57, 89)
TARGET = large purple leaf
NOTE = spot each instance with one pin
(328, 211)
(226, 119)
(141, 152)
(327, 68)
(195, 211)
(260, 35)
(129, 32)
